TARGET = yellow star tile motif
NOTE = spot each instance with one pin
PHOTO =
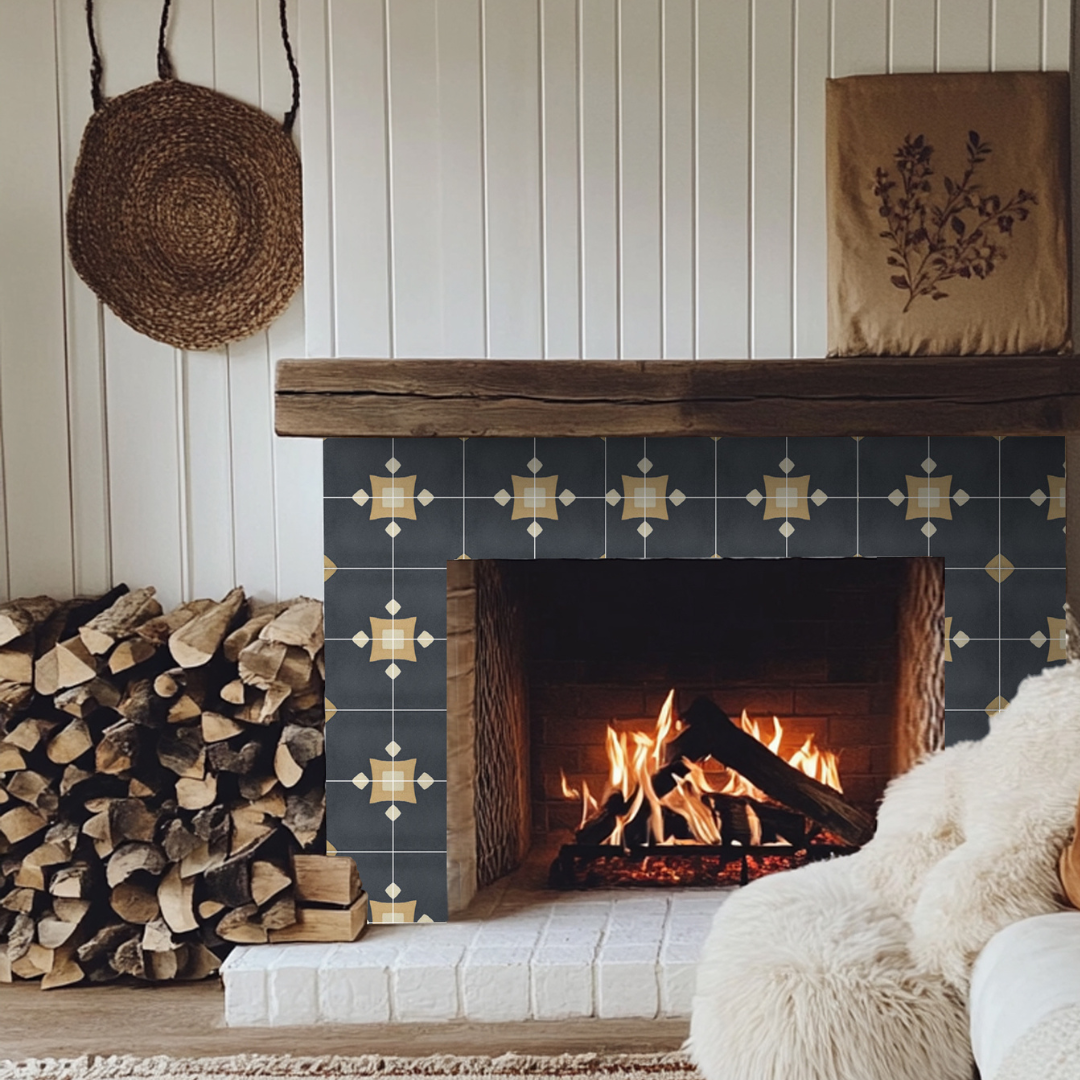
(392, 781)
(329, 568)
(393, 639)
(392, 497)
(534, 497)
(644, 497)
(996, 706)
(396, 911)
(785, 497)
(331, 710)
(1058, 640)
(1057, 497)
(928, 497)
(999, 568)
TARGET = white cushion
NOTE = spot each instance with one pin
(1028, 975)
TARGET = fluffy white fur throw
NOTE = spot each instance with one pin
(857, 969)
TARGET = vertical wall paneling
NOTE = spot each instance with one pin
(361, 278)
(224, 59)
(458, 154)
(913, 35)
(1056, 34)
(677, 195)
(560, 178)
(1017, 42)
(147, 482)
(773, 180)
(32, 346)
(722, 181)
(512, 169)
(86, 361)
(640, 169)
(811, 71)
(310, 21)
(599, 179)
(965, 28)
(860, 37)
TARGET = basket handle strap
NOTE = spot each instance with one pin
(164, 62)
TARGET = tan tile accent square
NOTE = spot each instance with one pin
(928, 497)
(785, 497)
(645, 497)
(534, 497)
(392, 781)
(393, 639)
(392, 496)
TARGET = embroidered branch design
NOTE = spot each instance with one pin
(931, 243)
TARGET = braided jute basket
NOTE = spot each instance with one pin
(185, 213)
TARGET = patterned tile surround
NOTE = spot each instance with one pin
(397, 510)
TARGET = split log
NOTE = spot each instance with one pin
(159, 630)
(131, 653)
(19, 617)
(326, 879)
(118, 622)
(196, 642)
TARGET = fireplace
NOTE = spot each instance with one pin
(696, 722)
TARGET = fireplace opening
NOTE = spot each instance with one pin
(689, 722)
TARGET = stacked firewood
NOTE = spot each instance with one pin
(157, 774)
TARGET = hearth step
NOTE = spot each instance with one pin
(611, 954)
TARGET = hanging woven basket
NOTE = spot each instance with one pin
(185, 213)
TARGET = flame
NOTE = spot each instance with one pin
(635, 757)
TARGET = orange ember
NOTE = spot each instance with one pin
(634, 758)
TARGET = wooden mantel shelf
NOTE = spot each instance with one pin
(1013, 395)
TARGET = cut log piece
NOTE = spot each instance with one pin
(135, 902)
(11, 758)
(74, 882)
(21, 616)
(176, 896)
(194, 794)
(28, 735)
(182, 751)
(14, 696)
(141, 705)
(75, 663)
(131, 653)
(134, 858)
(297, 747)
(217, 728)
(304, 814)
(159, 630)
(267, 880)
(65, 969)
(196, 642)
(17, 660)
(279, 914)
(69, 743)
(118, 622)
(326, 924)
(82, 700)
(21, 822)
(118, 750)
(301, 624)
(53, 932)
(243, 635)
(237, 926)
(326, 879)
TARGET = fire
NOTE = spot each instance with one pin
(635, 758)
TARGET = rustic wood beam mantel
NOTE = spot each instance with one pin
(1013, 395)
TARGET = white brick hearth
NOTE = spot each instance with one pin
(514, 955)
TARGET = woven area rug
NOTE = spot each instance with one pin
(674, 1066)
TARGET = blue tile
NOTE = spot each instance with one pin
(970, 538)
(971, 601)
(352, 597)
(831, 532)
(422, 825)
(884, 531)
(434, 538)
(966, 726)
(578, 463)
(491, 533)
(436, 464)
(742, 464)
(686, 462)
(348, 464)
(971, 679)
(623, 539)
(972, 461)
(422, 877)
(1029, 537)
(491, 463)
(742, 532)
(352, 738)
(1028, 597)
(352, 681)
(689, 532)
(354, 822)
(1019, 659)
(422, 595)
(376, 872)
(831, 464)
(422, 685)
(1026, 463)
(577, 534)
(351, 538)
(884, 462)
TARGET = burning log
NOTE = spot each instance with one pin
(710, 732)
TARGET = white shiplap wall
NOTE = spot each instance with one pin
(505, 178)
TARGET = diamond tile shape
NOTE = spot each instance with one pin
(567, 497)
(393, 607)
(818, 497)
(754, 497)
(502, 497)
(613, 497)
(644, 465)
(677, 498)
(1038, 639)
(996, 706)
(393, 891)
(392, 812)
(928, 529)
(361, 780)
(960, 639)
(929, 465)
(393, 528)
(999, 568)
(534, 466)
(787, 465)
(896, 497)
(329, 568)
(535, 529)
(425, 780)
(360, 497)
(392, 748)
(786, 529)
(360, 639)
(645, 529)
(330, 710)
(960, 497)
(1038, 496)
(424, 640)
(393, 671)
(425, 497)
(393, 465)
